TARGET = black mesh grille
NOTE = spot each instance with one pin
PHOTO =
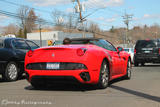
(54, 79)
(62, 66)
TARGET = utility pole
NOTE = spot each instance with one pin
(79, 10)
(127, 18)
(40, 35)
(81, 19)
(40, 28)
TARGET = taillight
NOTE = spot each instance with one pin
(159, 50)
(81, 51)
(135, 51)
(30, 53)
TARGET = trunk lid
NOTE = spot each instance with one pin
(57, 53)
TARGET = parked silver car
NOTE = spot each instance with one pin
(131, 52)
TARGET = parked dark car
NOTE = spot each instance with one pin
(12, 54)
(146, 51)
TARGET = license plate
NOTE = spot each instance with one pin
(147, 51)
(52, 66)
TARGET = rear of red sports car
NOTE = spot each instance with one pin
(65, 63)
(95, 62)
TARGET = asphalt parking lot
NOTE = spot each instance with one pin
(143, 90)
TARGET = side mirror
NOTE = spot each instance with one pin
(119, 49)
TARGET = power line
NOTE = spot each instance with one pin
(13, 15)
(16, 4)
(40, 10)
(91, 13)
(16, 16)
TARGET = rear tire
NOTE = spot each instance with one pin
(142, 64)
(136, 63)
(104, 76)
(11, 72)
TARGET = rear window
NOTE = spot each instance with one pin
(32, 45)
(1, 44)
(146, 44)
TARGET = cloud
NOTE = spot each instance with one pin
(151, 16)
(108, 20)
(103, 3)
(115, 2)
(135, 18)
(147, 16)
(88, 3)
(50, 2)
(3, 17)
(101, 18)
(131, 7)
(70, 10)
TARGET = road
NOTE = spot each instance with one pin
(143, 90)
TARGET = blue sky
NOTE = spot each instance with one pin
(143, 11)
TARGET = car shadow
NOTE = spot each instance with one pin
(136, 93)
(72, 87)
(83, 88)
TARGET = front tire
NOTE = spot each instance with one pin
(104, 76)
(129, 70)
(11, 72)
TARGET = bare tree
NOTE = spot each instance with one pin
(23, 14)
(61, 20)
(58, 17)
(93, 27)
(28, 19)
(10, 29)
(72, 22)
(31, 21)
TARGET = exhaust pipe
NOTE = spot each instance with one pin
(85, 76)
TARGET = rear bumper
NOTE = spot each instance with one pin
(147, 59)
(81, 76)
(54, 79)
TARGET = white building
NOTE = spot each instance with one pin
(10, 35)
(55, 36)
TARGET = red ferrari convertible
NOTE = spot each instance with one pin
(85, 60)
